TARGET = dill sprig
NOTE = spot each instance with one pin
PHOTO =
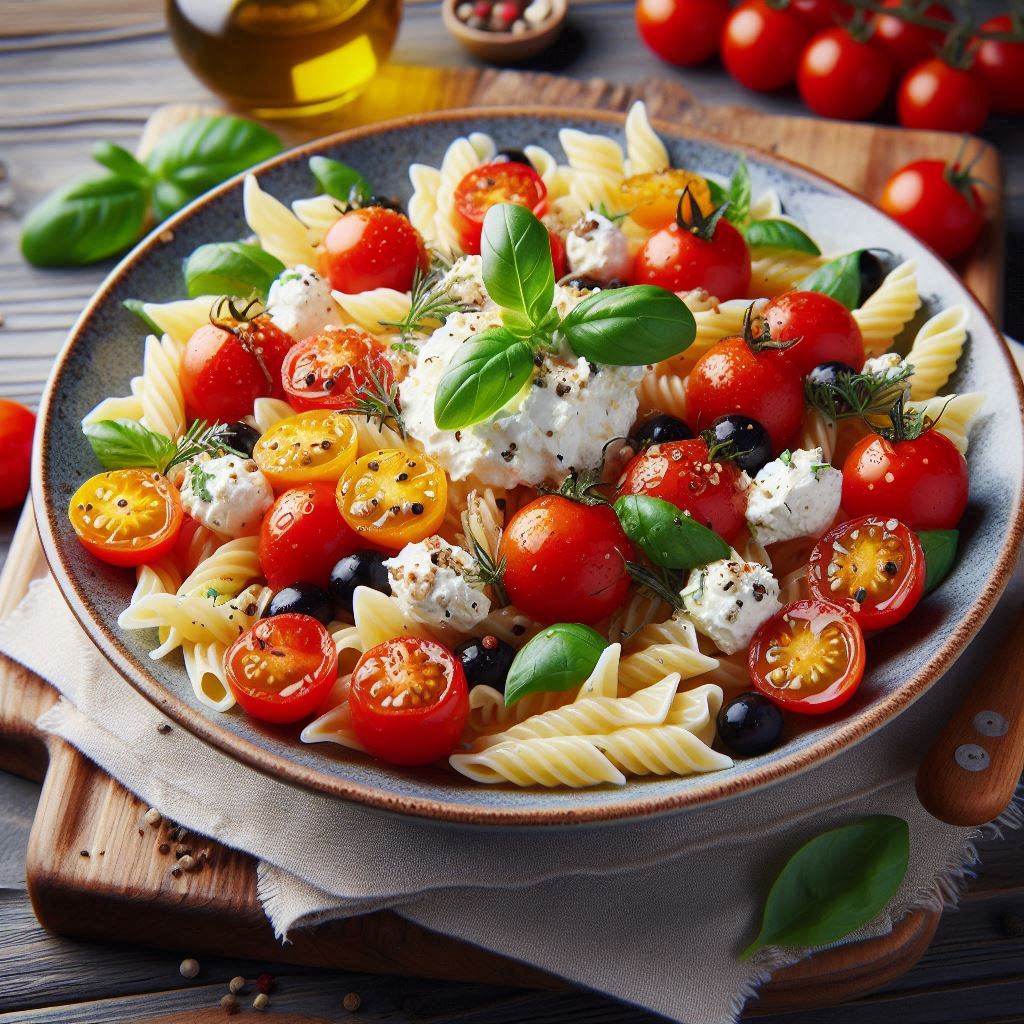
(858, 394)
(377, 400)
(431, 304)
(201, 439)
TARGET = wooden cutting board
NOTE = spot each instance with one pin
(95, 869)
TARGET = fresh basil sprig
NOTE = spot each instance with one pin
(780, 234)
(230, 268)
(939, 554)
(559, 658)
(667, 536)
(126, 444)
(839, 278)
(337, 179)
(835, 884)
(739, 194)
(518, 271)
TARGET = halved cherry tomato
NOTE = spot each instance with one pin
(761, 45)
(127, 516)
(489, 185)
(409, 701)
(393, 497)
(281, 669)
(809, 657)
(936, 95)
(17, 425)
(652, 198)
(840, 76)
(303, 536)
(908, 43)
(326, 370)
(681, 472)
(313, 446)
(872, 567)
(565, 561)
(821, 328)
(373, 247)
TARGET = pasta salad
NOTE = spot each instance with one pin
(569, 471)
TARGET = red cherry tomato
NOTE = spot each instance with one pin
(17, 425)
(761, 45)
(821, 14)
(281, 669)
(907, 43)
(326, 370)
(922, 482)
(823, 329)
(872, 567)
(937, 203)
(1000, 65)
(220, 377)
(372, 248)
(680, 472)
(732, 377)
(409, 701)
(937, 96)
(489, 185)
(303, 535)
(808, 658)
(682, 32)
(842, 77)
(559, 260)
(565, 561)
(676, 258)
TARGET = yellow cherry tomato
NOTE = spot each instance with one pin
(308, 448)
(393, 497)
(652, 198)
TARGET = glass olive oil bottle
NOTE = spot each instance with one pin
(284, 58)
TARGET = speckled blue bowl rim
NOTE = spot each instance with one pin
(705, 790)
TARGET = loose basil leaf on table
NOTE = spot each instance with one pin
(230, 268)
(835, 884)
(780, 234)
(338, 179)
(939, 554)
(558, 658)
(629, 326)
(485, 373)
(84, 222)
(126, 444)
(667, 536)
(138, 307)
(839, 278)
(518, 271)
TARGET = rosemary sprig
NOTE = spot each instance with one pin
(377, 400)
(663, 583)
(490, 573)
(431, 304)
(858, 394)
(201, 439)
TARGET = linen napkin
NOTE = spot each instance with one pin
(651, 912)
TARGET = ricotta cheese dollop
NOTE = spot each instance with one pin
(227, 494)
(796, 495)
(301, 304)
(728, 600)
(596, 248)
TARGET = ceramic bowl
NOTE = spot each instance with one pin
(504, 47)
(104, 351)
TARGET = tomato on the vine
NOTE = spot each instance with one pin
(685, 474)
(372, 247)
(907, 42)
(682, 32)
(327, 370)
(762, 43)
(872, 567)
(409, 701)
(841, 76)
(821, 14)
(936, 95)
(17, 425)
(489, 185)
(938, 202)
(821, 329)
(565, 561)
(1000, 65)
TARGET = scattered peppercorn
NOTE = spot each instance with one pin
(230, 1003)
(164, 848)
(352, 1002)
(188, 968)
(83, 853)
(163, 728)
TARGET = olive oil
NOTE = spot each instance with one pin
(284, 58)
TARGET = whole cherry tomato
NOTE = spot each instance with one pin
(1000, 65)
(565, 561)
(938, 96)
(761, 45)
(328, 369)
(17, 425)
(821, 14)
(821, 328)
(840, 76)
(489, 185)
(373, 247)
(905, 41)
(938, 202)
(682, 32)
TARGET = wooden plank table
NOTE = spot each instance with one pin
(69, 74)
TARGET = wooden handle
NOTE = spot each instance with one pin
(969, 775)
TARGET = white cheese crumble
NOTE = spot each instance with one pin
(432, 583)
(464, 282)
(728, 600)
(227, 494)
(887, 366)
(301, 304)
(797, 495)
(596, 248)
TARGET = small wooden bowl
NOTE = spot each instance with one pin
(504, 47)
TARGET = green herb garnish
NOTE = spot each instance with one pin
(558, 658)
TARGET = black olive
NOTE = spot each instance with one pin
(486, 661)
(750, 724)
(750, 445)
(872, 273)
(831, 373)
(239, 436)
(659, 430)
(360, 569)
(302, 599)
(588, 284)
(383, 201)
(512, 156)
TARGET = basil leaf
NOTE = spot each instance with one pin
(739, 194)
(835, 883)
(230, 268)
(839, 278)
(719, 196)
(483, 375)
(559, 658)
(517, 267)
(629, 326)
(338, 179)
(119, 161)
(780, 234)
(199, 154)
(939, 555)
(138, 307)
(125, 444)
(84, 222)
(667, 536)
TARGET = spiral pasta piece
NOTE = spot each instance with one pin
(818, 431)
(655, 661)
(560, 761)
(488, 711)
(163, 405)
(378, 619)
(936, 351)
(885, 313)
(375, 310)
(318, 214)
(774, 271)
(645, 152)
(660, 750)
(662, 392)
(697, 710)
(426, 181)
(953, 415)
(204, 665)
(181, 319)
(277, 229)
(268, 412)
